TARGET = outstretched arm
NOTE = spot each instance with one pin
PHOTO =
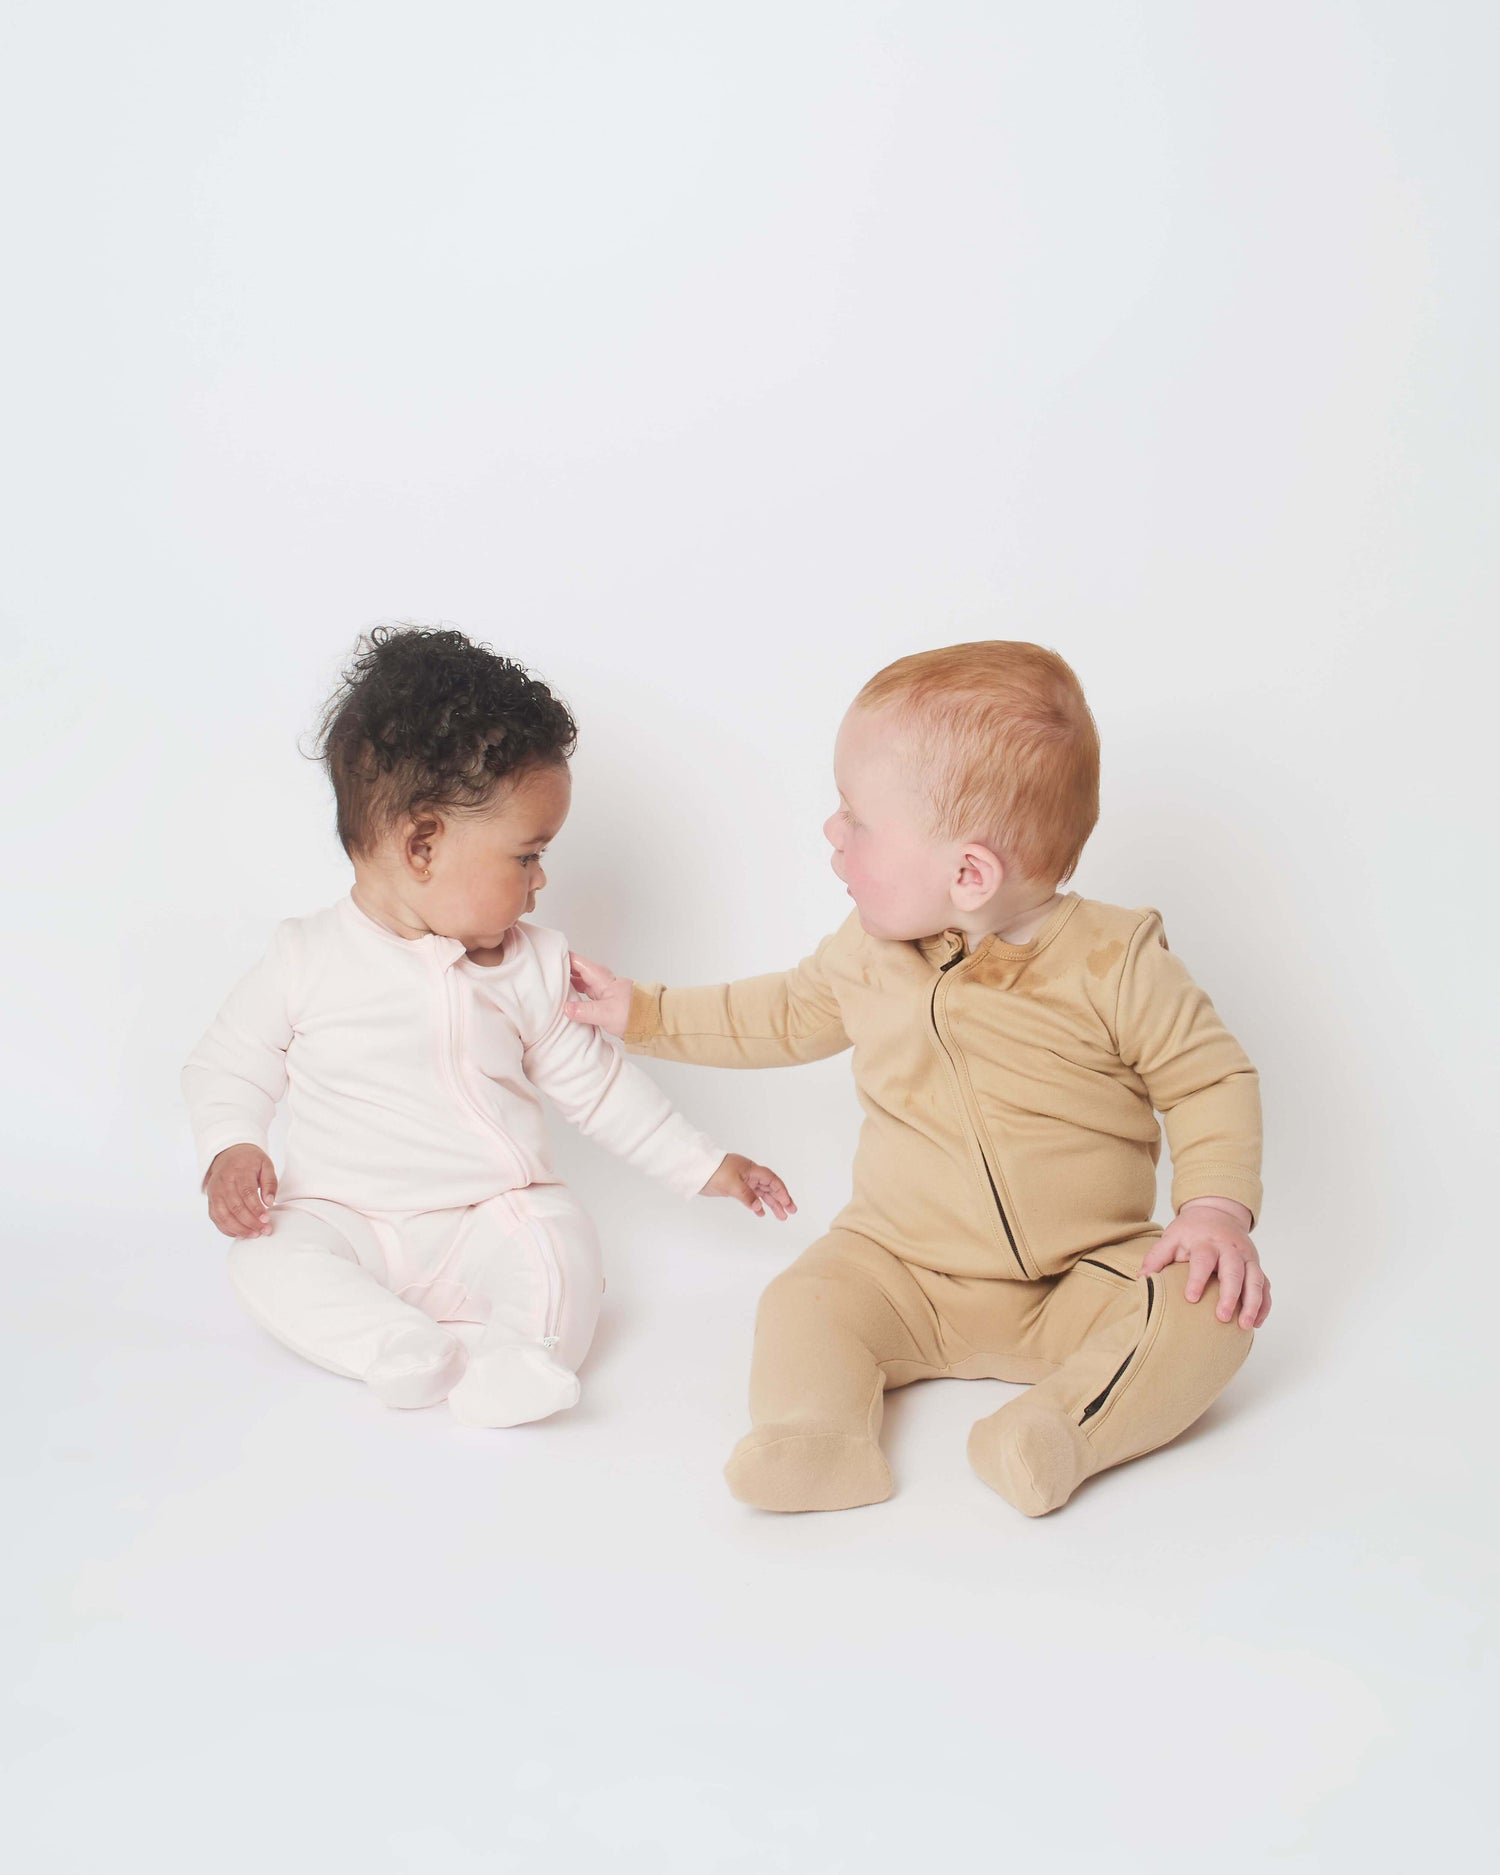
(584, 1073)
(773, 1021)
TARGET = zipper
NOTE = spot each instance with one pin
(1114, 1379)
(552, 1269)
(453, 1060)
(1010, 1236)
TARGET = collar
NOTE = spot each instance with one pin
(447, 950)
(944, 946)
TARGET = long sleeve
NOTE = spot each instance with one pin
(1197, 1076)
(585, 1075)
(236, 1075)
(773, 1021)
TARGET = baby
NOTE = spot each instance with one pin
(1013, 1044)
(412, 1024)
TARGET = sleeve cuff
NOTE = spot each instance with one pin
(698, 1168)
(211, 1147)
(644, 1018)
(1220, 1182)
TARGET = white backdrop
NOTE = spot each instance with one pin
(707, 358)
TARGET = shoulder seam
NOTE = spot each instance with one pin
(1144, 917)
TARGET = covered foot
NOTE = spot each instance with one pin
(1034, 1457)
(416, 1366)
(779, 1468)
(511, 1386)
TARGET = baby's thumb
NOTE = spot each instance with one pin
(268, 1181)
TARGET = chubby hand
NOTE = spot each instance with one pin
(756, 1186)
(1207, 1235)
(608, 1005)
(241, 1183)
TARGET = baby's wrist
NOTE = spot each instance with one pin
(1226, 1207)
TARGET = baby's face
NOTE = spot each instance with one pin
(486, 869)
(898, 875)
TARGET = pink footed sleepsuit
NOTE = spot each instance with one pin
(418, 1186)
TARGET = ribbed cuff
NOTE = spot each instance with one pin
(210, 1148)
(698, 1171)
(644, 1018)
(1225, 1181)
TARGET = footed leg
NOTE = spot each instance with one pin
(776, 1468)
(512, 1384)
(533, 1256)
(1144, 1363)
(305, 1285)
(1032, 1454)
(828, 1334)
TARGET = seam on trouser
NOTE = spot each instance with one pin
(388, 1238)
(1135, 1362)
(533, 1227)
(937, 1324)
(1093, 1263)
(449, 1258)
(843, 1263)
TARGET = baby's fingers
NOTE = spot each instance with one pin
(222, 1220)
(1231, 1282)
(1201, 1265)
(240, 1202)
(764, 1182)
(1157, 1257)
(1257, 1297)
(231, 1219)
(748, 1196)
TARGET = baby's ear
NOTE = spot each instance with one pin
(419, 843)
(981, 873)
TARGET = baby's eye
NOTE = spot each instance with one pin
(527, 858)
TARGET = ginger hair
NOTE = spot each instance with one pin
(1000, 741)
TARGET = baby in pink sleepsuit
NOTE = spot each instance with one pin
(411, 1026)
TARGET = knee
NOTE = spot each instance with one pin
(1193, 1331)
(808, 1290)
(246, 1263)
(822, 1302)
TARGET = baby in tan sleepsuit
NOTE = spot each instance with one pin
(1013, 1044)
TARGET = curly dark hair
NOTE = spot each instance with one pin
(429, 719)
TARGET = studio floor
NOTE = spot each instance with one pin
(259, 1621)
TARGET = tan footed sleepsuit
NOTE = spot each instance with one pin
(1004, 1187)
